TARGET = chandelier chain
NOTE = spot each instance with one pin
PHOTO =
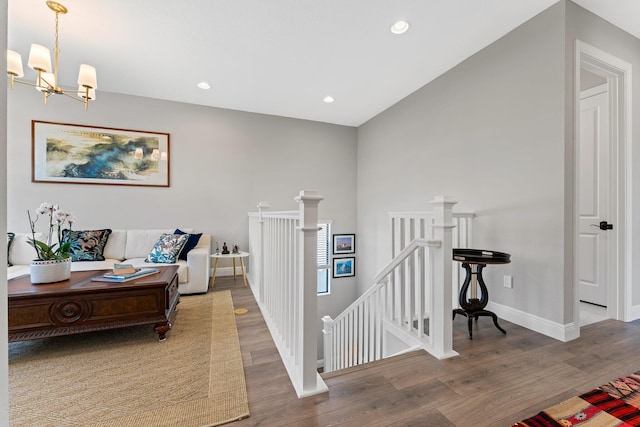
(57, 50)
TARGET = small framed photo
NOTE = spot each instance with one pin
(344, 267)
(344, 244)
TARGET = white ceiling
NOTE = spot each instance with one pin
(279, 57)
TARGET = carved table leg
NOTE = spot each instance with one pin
(162, 329)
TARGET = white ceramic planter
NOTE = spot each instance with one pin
(50, 271)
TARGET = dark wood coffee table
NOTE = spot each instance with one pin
(81, 305)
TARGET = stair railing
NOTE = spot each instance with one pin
(283, 278)
(411, 300)
(406, 226)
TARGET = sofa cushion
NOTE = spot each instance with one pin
(116, 245)
(87, 245)
(21, 252)
(10, 237)
(140, 242)
(167, 248)
(191, 243)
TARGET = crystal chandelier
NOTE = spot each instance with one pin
(47, 81)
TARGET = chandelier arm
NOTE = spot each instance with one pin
(24, 82)
(53, 87)
(74, 97)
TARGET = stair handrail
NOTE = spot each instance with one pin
(404, 254)
(373, 305)
(377, 280)
(356, 351)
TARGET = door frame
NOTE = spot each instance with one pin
(618, 75)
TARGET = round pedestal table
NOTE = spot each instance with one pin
(472, 306)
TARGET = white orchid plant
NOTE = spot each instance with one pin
(58, 219)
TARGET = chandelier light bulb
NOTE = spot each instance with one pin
(14, 63)
(87, 76)
(40, 58)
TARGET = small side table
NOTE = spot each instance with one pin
(240, 255)
(474, 261)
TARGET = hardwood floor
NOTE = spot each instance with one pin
(497, 379)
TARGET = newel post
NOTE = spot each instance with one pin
(260, 275)
(442, 288)
(307, 341)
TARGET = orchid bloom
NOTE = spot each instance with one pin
(51, 249)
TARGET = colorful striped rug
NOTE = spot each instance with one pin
(615, 404)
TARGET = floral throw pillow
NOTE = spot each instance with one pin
(167, 248)
(10, 237)
(87, 245)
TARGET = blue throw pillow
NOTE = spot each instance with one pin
(191, 243)
(167, 248)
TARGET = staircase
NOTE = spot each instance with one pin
(409, 306)
(410, 303)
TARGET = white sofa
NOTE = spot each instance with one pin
(128, 246)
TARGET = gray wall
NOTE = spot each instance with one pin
(490, 134)
(223, 163)
(496, 133)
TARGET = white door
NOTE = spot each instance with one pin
(593, 185)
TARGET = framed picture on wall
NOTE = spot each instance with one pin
(78, 154)
(344, 244)
(344, 267)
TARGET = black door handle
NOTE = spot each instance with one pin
(604, 225)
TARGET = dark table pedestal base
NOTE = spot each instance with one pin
(473, 307)
(475, 315)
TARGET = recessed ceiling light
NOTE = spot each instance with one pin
(400, 27)
(328, 99)
(204, 85)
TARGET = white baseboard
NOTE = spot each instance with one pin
(634, 314)
(555, 330)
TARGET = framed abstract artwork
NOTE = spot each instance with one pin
(344, 244)
(344, 267)
(78, 154)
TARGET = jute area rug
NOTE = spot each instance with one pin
(126, 377)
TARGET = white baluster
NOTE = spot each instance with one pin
(327, 330)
